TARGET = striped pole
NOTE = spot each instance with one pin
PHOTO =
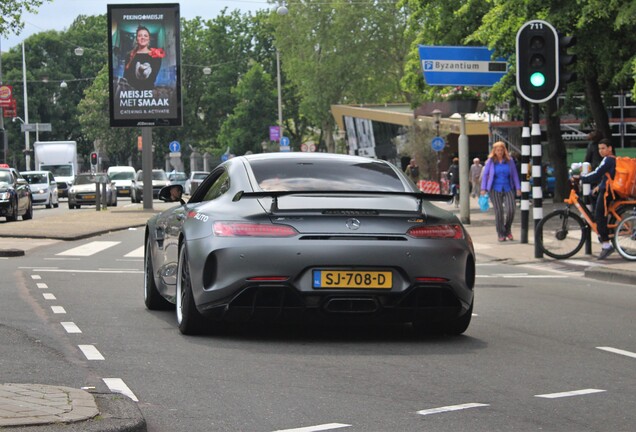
(537, 181)
(525, 177)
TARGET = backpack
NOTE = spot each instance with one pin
(624, 182)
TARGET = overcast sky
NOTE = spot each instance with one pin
(60, 14)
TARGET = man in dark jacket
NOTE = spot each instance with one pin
(607, 166)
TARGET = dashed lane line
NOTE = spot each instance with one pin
(91, 353)
(569, 393)
(117, 385)
(71, 327)
(451, 408)
(618, 351)
(322, 427)
(89, 249)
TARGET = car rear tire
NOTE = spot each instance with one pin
(454, 327)
(49, 203)
(152, 298)
(189, 320)
(29, 212)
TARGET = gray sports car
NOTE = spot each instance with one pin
(287, 235)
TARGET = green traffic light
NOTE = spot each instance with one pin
(537, 79)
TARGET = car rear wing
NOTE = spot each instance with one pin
(420, 196)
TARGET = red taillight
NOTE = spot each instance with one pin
(242, 229)
(431, 279)
(437, 231)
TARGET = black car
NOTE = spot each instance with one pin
(15, 195)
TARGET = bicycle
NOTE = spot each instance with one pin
(625, 237)
(562, 233)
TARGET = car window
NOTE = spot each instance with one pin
(122, 175)
(218, 188)
(35, 178)
(199, 176)
(325, 174)
(51, 178)
(159, 175)
(5, 177)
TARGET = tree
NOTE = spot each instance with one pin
(339, 51)
(248, 125)
(11, 14)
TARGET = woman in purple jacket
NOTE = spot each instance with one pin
(500, 180)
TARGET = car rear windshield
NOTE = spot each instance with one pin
(325, 174)
(91, 178)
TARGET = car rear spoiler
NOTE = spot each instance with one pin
(420, 196)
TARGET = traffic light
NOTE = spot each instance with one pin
(537, 61)
(566, 61)
(94, 159)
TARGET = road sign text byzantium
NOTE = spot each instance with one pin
(461, 66)
(537, 61)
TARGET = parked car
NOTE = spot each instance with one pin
(159, 180)
(276, 235)
(43, 188)
(123, 177)
(83, 191)
(177, 177)
(15, 195)
(196, 177)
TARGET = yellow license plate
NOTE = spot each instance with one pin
(89, 196)
(353, 279)
(124, 191)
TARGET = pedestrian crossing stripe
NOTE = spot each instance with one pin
(89, 249)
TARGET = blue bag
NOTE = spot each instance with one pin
(483, 202)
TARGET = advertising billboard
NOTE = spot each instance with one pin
(144, 65)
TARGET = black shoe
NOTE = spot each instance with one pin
(605, 253)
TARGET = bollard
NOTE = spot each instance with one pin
(104, 197)
(98, 198)
(587, 199)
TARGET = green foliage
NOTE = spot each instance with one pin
(11, 14)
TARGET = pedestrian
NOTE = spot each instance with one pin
(592, 156)
(475, 176)
(501, 181)
(607, 166)
(413, 171)
(453, 178)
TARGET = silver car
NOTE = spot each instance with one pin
(43, 188)
(301, 235)
(83, 191)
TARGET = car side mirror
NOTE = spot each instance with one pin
(22, 181)
(172, 193)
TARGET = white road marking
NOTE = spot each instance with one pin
(117, 269)
(452, 408)
(91, 352)
(58, 310)
(137, 253)
(70, 327)
(570, 393)
(48, 296)
(42, 285)
(36, 277)
(514, 276)
(89, 249)
(618, 351)
(58, 270)
(61, 259)
(322, 427)
(117, 385)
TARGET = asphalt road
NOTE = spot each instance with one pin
(529, 361)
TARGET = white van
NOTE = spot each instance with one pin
(123, 177)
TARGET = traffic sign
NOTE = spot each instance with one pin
(284, 141)
(461, 66)
(304, 147)
(285, 148)
(274, 133)
(35, 127)
(174, 147)
(438, 143)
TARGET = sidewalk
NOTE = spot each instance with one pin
(488, 248)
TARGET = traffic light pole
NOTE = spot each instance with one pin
(537, 181)
(525, 175)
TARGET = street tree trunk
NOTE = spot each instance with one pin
(557, 151)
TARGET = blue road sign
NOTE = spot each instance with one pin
(461, 66)
(284, 141)
(438, 143)
(174, 146)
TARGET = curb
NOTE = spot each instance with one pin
(611, 275)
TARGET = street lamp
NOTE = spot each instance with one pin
(26, 113)
(437, 116)
(282, 11)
